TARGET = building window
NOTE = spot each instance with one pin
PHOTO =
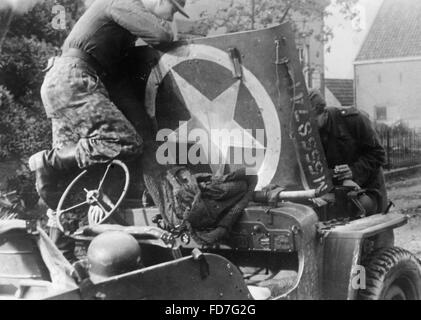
(381, 113)
(302, 56)
(303, 53)
(316, 79)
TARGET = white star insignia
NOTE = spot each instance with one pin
(212, 116)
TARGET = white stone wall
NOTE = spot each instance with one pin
(394, 85)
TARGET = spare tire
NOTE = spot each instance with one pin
(392, 274)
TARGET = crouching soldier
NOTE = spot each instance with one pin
(352, 147)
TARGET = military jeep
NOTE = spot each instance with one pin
(290, 248)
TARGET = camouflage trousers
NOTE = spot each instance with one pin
(80, 109)
(82, 114)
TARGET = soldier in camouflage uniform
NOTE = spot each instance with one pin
(87, 127)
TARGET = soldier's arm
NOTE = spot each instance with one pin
(372, 154)
(132, 15)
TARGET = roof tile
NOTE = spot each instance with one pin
(395, 33)
(342, 89)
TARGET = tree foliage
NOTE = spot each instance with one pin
(38, 22)
(30, 42)
(22, 60)
(24, 127)
(237, 15)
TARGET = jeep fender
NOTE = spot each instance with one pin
(343, 249)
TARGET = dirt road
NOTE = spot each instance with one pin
(405, 192)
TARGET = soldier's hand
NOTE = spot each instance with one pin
(342, 173)
(95, 215)
(351, 183)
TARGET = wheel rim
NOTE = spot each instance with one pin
(401, 289)
(395, 293)
(393, 273)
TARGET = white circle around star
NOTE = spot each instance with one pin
(222, 108)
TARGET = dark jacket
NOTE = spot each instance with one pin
(348, 137)
(110, 27)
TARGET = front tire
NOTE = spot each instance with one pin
(392, 274)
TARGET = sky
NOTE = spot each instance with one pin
(347, 39)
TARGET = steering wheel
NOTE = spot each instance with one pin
(99, 204)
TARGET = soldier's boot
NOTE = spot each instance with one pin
(50, 167)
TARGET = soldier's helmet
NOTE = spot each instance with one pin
(318, 103)
(112, 253)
